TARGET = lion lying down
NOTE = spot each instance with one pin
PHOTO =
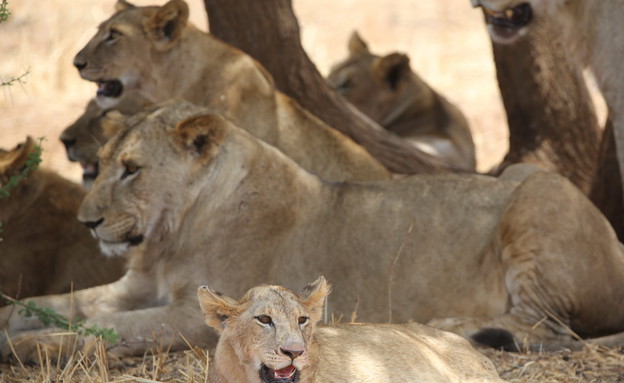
(270, 336)
(43, 247)
(387, 90)
(155, 52)
(189, 198)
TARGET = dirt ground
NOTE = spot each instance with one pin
(448, 46)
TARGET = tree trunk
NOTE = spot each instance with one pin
(606, 190)
(269, 31)
(552, 121)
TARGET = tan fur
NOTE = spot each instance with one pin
(387, 90)
(340, 353)
(84, 137)
(592, 31)
(44, 249)
(193, 200)
(156, 52)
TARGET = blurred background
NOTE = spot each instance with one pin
(445, 39)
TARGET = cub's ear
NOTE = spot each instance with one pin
(166, 25)
(112, 122)
(357, 46)
(313, 297)
(122, 5)
(391, 69)
(12, 161)
(217, 308)
(201, 135)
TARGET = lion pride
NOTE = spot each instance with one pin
(156, 52)
(191, 199)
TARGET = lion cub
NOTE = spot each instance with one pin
(269, 336)
(388, 91)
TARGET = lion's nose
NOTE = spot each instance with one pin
(68, 142)
(292, 353)
(79, 63)
(92, 224)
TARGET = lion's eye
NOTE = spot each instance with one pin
(264, 319)
(113, 35)
(129, 169)
(344, 86)
(302, 320)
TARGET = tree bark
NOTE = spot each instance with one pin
(606, 192)
(552, 121)
(269, 32)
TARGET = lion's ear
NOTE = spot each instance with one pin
(122, 5)
(357, 46)
(166, 25)
(313, 297)
(112, 122)
(217, 308)
(201, 135)
(391, 69)
(12, 162)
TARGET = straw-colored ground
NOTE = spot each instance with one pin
(447, 44)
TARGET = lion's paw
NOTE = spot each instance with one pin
(37, 346)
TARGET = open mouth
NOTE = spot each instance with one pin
(109, 88)
(288, 374)
(89, 171)
(507, 23)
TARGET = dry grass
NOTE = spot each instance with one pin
(447, 44)
(592, 364)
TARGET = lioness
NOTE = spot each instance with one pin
(270, 336)
(158, 53)
(43, 247)
(388, 91)
(85, 136)
(591, 29)
(190, 198)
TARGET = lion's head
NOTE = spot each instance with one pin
(144, 31)
(372, 83)
(267, 335)
(85, 136)
(133, 199)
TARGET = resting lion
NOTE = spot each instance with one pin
(84, 137)
(158, 53)
(591, 29)
(43, 247)
(270, 336)
(388, 91)
(189, 199)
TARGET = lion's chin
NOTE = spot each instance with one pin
(288, 374)
(117, 249)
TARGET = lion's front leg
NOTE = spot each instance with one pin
(130, 292)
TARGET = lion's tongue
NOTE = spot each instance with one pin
(285, 372)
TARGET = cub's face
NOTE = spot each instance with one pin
(269, 331)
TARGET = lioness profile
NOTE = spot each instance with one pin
(189, 198)
(43, 247)
(387, 90)
(591, 29)
(84, 137)
(158, 53)
(270, 336)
